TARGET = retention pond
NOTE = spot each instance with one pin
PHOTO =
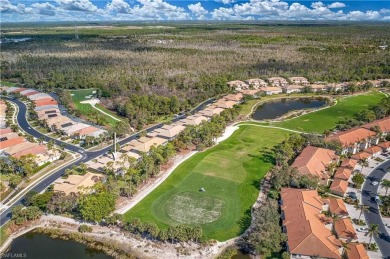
(276, 108)
(40, 246)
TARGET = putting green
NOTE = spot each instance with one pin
(193, 208)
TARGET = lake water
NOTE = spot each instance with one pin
(40, 246)
(279, 107)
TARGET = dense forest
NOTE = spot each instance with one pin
(192, 62)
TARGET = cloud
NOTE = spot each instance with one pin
(7, 7)
(43, 9)
(317, 4)
(77, 5)
(197, 9)
(227, 1)
(158, 10)
(84, 10)
(119, 6)
(336, 5)
(280, 10)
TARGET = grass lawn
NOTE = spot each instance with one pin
(79, 95)
(229, 172)
(9, 84)
(327, 118)
(4, 233)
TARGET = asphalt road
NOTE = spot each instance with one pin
(85, 155)
(369, 192)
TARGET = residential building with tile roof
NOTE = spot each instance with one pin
(337, 206)
(315, 161)
(344, 229)
(356, 251)
(383, 125)
(343, 173)
(354, 140)
(76, 184)
(339, 187)
(307, 234)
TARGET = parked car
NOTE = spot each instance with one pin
(352, 195)
(362, 230)
(374, 183)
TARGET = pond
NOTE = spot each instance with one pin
(279, 107)
(40, 246)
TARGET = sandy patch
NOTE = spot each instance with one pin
(92, 101)
(228, 132)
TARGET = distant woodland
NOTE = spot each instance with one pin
(192, 62)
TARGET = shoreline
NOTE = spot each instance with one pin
(115, 242)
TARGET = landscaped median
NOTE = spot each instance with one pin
(221, 182)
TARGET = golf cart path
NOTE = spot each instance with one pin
(93, 102)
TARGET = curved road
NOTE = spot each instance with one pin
(85, 155)
(373, 216)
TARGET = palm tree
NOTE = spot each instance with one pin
(363, 163)
(362, 208)
(373, 230)
(345, 247)
(385, 184)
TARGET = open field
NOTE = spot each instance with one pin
(86, 109)
(231, 185)
(324, 119)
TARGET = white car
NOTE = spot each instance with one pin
(362, 229)
(374, 183)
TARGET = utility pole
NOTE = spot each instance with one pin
(114, 153)
(76, 31)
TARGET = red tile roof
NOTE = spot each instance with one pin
(343, 173)
(5, 131)
(34, 151)
(339, 187)
(19, 89)
(361, 155)
(384, 145)
(373, 150)
(351, 136)
(356, 251)
(383, 124)
(11, 142)
(31, 93)
(314, 161)
(349, 163)
(86, 131)
(306, 233)
(337, 206)
(344, 228)
(45, 101)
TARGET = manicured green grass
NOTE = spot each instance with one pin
(230, 173)
(4, 83)
(322, 120)
(4, 233)
(79, 95)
